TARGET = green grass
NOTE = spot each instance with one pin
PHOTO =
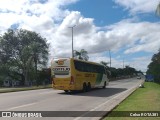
(5, 90)
(143, 99)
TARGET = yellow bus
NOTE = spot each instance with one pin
(70, 74)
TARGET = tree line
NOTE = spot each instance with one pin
(118, 73)
(23, 54)
(113, 73)
(154, 67)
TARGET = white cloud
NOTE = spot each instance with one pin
(138, 6)
(130, 34)
(53, 22)
(32, 13)
(136, 36)
(141, 63)
(105, 57)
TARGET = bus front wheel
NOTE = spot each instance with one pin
(104, 85)
(66, 91)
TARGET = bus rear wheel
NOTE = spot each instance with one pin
(89, 87)
(84, 87)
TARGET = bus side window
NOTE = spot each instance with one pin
(77, 66)
(100, 70)
(88, 68)
(82, 67)
(93, 68)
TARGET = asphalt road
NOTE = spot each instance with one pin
(58, 100)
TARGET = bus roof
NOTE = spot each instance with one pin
(77, 60)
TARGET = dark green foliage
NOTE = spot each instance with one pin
(104, 63)
(123, 72)
(82, 55)
(154, 67)
(44, 76)
(120, 72)
(20, 53)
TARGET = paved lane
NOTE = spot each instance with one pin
(57, 100)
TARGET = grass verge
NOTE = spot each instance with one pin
(5, 90)
(143, 99)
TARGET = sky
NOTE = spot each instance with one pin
(128, 28)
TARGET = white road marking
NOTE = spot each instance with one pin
(21, 106)
(96, 107)
(48, 92)
(77, 118)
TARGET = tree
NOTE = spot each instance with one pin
(114, 73)
(154, 67)
(45, 76)
(107, 68)
(104, 63)
(158, 10)
(129, 71)
(22, 50)
(122, 72)
(82, 55)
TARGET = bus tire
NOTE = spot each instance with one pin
(104, 86)
(66, 91)
(89, 87)
(84, 87)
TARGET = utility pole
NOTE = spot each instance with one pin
(72, 39)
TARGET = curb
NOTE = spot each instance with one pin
(112, 103)
(120, 98)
